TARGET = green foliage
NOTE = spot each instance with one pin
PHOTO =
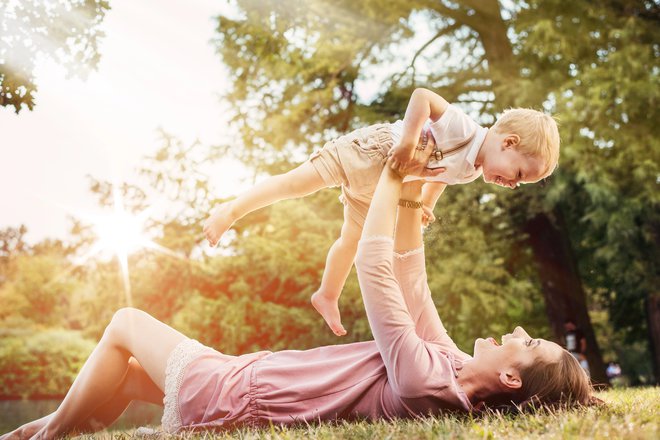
(66, 31)
(477, 268)
(44, 363)
(294, 67)
(40, 290)
(608, 108)
(258, 296)
(11, 245)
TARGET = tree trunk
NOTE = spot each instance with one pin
(653, 322)
(561, 284)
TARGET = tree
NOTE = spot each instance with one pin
(609, 187)
(299, 68)
(66, 31)
(12, 244)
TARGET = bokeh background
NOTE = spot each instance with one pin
(124, 123)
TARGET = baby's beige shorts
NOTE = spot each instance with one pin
(355, 162)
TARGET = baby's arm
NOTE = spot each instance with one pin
(431, 192)
(424, 104)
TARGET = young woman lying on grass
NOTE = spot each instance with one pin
(412, 368)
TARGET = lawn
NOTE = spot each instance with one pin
(632, 413)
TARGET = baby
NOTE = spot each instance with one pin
(522, 147)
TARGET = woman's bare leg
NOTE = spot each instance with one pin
(337, 267)
(136, 385)
(28, 430)
(130, 333)
(299, 182)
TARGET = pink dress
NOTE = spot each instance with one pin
(409, 370)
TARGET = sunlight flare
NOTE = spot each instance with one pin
(120, 233)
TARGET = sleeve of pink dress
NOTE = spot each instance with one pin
(409, 269)
(403, 319)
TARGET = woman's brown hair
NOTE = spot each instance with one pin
(562, 382)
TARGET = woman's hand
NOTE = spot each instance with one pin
(417, 166)
(403, 155)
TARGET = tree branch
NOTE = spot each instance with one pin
(459, 15)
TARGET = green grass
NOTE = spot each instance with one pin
(628, 414)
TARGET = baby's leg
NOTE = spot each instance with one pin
(130, 333)
(298, 182)
(337, 267)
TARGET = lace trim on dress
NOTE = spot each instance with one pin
(179, 358)
(409, 253)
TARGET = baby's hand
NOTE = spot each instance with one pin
(220, 220)
(427, 216)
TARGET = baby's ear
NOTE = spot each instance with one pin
(511, 141)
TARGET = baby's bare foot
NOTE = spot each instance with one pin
(220, 220)
(329, 309)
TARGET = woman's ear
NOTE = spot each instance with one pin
(511, 141)
(510, 380)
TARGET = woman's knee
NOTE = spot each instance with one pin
(137, 385)
(123, 322)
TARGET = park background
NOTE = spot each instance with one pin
(290, 75)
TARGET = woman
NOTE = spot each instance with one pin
(412, 367)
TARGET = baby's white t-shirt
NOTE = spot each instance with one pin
(452, 129)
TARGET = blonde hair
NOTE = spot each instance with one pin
(539, 135)
(561, 382)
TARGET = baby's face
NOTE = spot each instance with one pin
(509, 168)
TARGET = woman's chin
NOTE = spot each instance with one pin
(478, 346)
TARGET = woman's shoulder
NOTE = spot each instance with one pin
(438, 390)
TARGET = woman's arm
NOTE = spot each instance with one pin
(409, 220)
(412, 365)
(410, 269)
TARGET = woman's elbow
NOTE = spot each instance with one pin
(366, 262)
(408, 386)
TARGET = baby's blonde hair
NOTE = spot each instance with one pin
(539, 135)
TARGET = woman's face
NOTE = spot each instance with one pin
(517, 349)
